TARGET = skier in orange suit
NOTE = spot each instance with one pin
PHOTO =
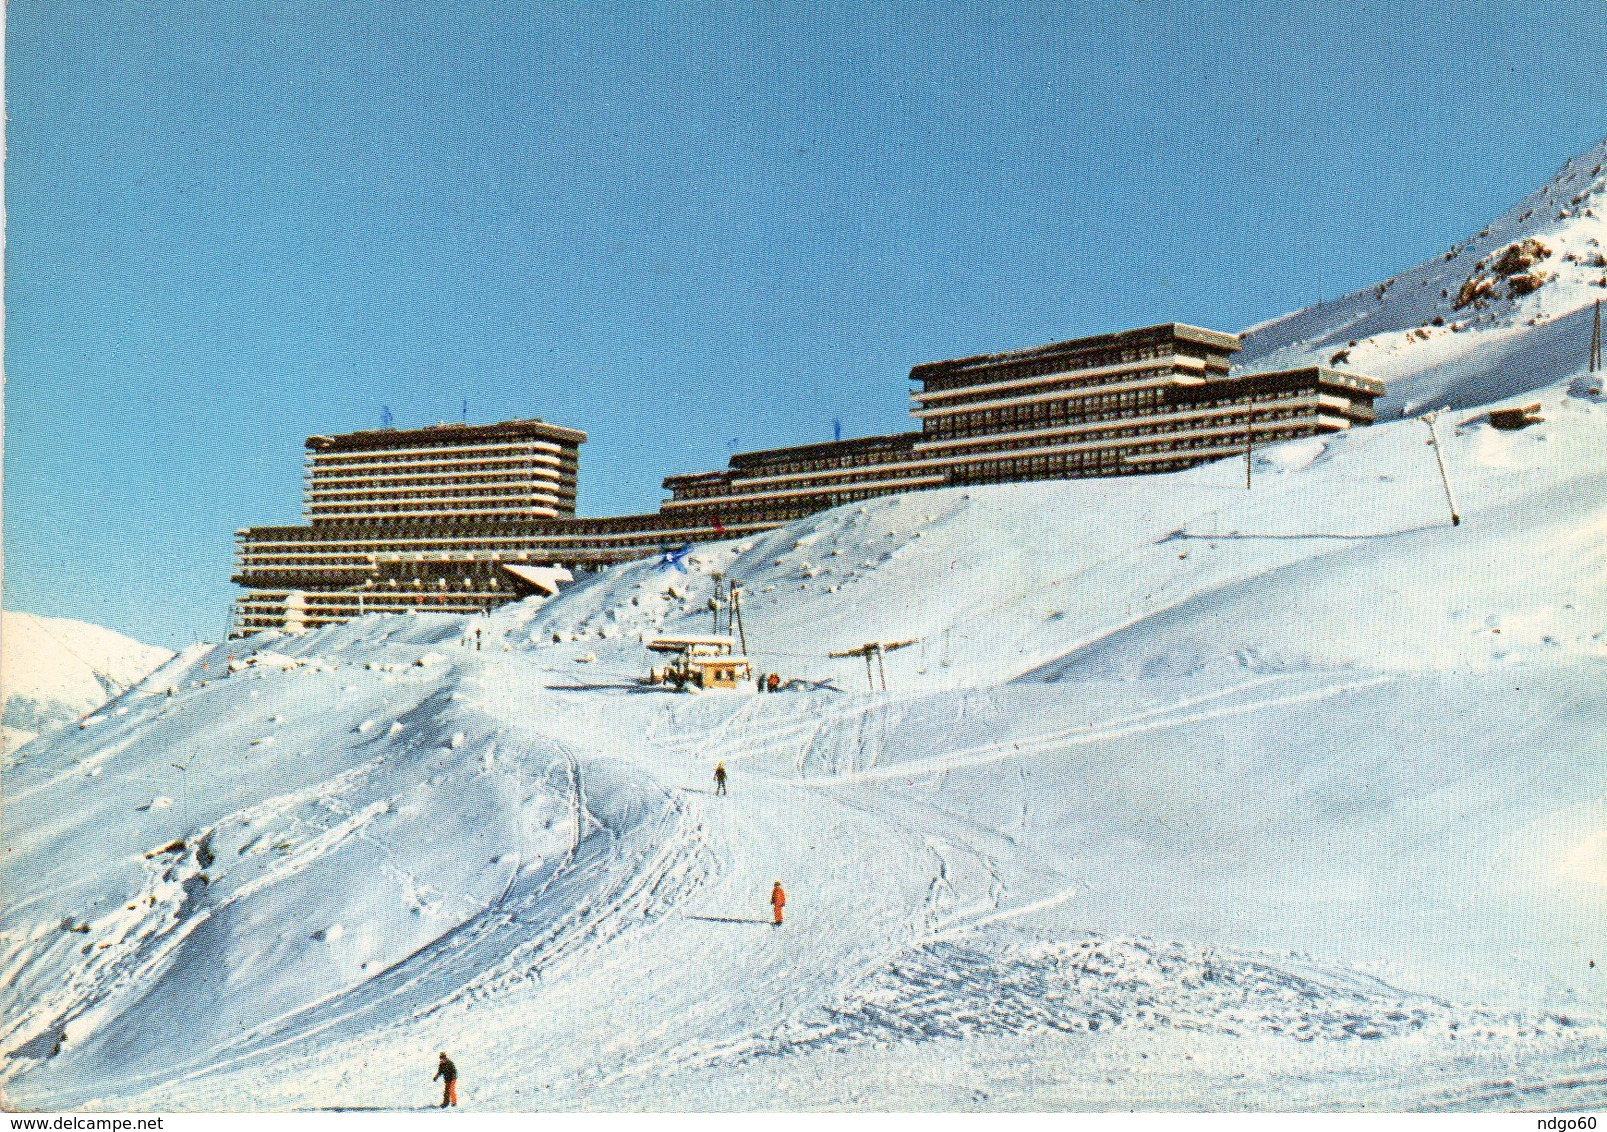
(447, 1074)
(778, 901)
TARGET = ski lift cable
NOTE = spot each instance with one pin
(74, 653)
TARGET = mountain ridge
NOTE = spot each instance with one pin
(1498, 314)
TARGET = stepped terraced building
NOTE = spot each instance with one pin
(460, 518)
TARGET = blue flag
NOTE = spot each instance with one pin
(675, 558)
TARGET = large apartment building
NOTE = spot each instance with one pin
(513, 470)
(449, 518)
(1157, 399)
(461, 518)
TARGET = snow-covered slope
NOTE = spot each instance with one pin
(53, 670)
(1038, 577)
(1501, 312)
(1185, 796)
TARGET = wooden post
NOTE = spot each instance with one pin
(882, 666)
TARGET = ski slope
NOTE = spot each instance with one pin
(1269, 780)
(1186, 797)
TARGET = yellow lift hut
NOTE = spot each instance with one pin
(700, 664)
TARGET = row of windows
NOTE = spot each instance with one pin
(456, 475)
(715, 491)
(833, 462)
(1109, 406)
(390, 460)
(1131, 401)
(326, 512)
(702, 491)
(995, 421)
(1071, 384)
(1101, 461)
(423, 464)
(1163, 428)
(433, 492)
(267, 561)
(1239, 401)
(1092, 359)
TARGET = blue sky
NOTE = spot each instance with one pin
(678, 227)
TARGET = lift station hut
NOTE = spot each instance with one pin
(703, 664)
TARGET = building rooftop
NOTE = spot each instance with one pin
(1345, 379)
(766, 456)
(823, 448)
(1214, 339)
(380, 439)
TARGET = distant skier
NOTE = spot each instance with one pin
(774, 680)
(447, 1073)
(759, 683)
(719, 778)
(778, 901)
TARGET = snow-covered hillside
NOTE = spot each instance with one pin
(1224, 790)
(1501, 312)
(52, 671)
(1186, 796)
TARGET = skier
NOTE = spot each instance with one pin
(759, 684)
(774, 680)
(778, 901)
(447, 1073)
(719, 778)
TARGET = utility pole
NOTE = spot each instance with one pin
(736, 611)
(1595, 341)
(1434, 443)
(1249, 433)
(714, 603)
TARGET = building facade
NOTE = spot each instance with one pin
(513, 470)
(1157, 399)
(782, 484)
(450, 518)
